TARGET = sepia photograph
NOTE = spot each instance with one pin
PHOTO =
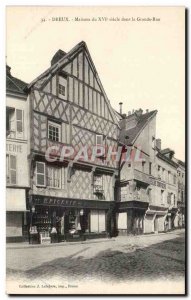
(95, 150)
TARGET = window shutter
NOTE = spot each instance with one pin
(19, 120)
(40, 173)
(13, 177)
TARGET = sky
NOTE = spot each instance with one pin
(140, 61)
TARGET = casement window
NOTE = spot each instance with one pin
(98, 183)
(174, 179)
(54, 177)
(14, 122)
(11, 169)
(40, 174)
(54, 131)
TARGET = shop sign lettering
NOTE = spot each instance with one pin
(14, 148)
(52, 201)
(155, 182)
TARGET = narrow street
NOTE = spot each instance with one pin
(122, 259)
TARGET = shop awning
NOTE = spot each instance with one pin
(15, 199)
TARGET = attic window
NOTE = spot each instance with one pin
(126, 137)
(61, 89)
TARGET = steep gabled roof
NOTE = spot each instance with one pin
(14, 84)
(45, 76)
(129, 136)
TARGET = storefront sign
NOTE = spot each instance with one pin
(14, 148)
(156, 182)
(55, 201)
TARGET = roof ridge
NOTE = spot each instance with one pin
(151, 116)
(51, 68)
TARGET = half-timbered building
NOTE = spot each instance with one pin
(69, 108)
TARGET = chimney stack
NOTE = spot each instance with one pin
(158, 143)
(147, 110)
(57, 56)
(139, 112)
(129, 113)
(8, 70)
(120, 107)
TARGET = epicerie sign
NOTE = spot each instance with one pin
(14, 148)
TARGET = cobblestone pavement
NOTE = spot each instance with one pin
(120, 259)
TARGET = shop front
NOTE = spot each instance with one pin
(16, 215)
(172, 218)
(154, 220)
(130, 217)
(56, 219)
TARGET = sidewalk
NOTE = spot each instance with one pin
(92, 241)
(27, 245)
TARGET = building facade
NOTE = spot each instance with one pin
(69, 108)
(181, 197)
(147, 198)
(17, 169)
(73, 184)
(167, 171)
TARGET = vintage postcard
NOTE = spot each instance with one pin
(95, 150)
